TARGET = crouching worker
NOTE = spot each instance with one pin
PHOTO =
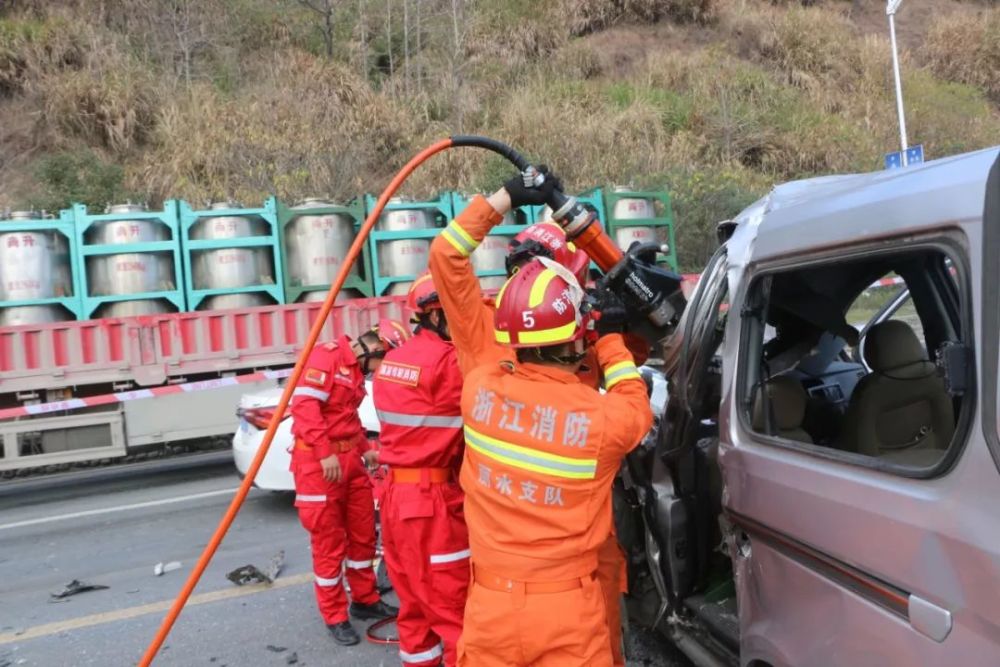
(333, 493)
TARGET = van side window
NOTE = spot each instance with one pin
(841, 357)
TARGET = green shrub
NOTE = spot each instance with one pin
(702, 198)
(82, 177)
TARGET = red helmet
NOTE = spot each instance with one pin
(392, 333)
(423, 296)
(539, 306)
(547, 239)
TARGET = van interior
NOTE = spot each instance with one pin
(858, 360)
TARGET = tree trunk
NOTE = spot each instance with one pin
(388, 34)
(456, 63)
(328, 31)
(406, 45)
(364, 38)
(419, 52)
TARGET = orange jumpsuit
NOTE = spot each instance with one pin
(470, 323)
(542, 450)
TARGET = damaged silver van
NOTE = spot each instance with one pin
(823, 486)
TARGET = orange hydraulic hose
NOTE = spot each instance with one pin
(272, 427)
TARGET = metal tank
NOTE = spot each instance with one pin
(491, 255)
(316, 245)
(633, 208)
(33, 265)
(406, 256)
(133, 272)
(229, 268)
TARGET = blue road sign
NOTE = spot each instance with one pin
(914, 155)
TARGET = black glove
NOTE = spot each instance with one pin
(608, 311)
(531, 195)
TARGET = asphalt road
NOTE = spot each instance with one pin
(111, 527)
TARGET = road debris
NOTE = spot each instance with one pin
(292, 659)
(160, 568)
(249, 574)
(276, 649)
(74, 587)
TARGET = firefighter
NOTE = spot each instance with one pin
(542, 449)
(333, 493)
(472, 321)
(472, 332)
(417, 392)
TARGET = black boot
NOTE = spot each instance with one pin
(344, 634)
(373, 612)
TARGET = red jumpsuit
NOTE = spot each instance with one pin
(417, 392)
(340, 517)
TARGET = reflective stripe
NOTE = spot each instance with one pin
(423, 656)
(459, 239)
(503, 287)
(623, 370)
(314, 393)
(502, 336)
(434, 421)
(326, 583)
(558, 334)
(530, 459)
(309, 499)
(358, 564)
(452, 557)
(538, 287)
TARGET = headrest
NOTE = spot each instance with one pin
(788, 404)
(891, 345)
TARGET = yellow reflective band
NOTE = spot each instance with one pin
(459, 239)
(623, 370)
(455, 244)
(503, 288)
(539, 286)
(571, 246)
(547, 336)
(457, 228)
(526, 458)
(502, 336)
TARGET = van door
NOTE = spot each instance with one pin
(849, 548)
(671, 488)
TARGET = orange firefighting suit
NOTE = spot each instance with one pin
(340, 516)
(417, 392)
(471, 328)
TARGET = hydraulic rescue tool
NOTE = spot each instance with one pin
(647, 297)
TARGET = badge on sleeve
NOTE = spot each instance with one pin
(316, 377)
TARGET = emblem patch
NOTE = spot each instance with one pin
(315, 376)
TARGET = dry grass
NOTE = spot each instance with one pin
(586, 16)
(966, 48)
(307, 127)
(750, 94)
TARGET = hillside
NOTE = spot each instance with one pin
(103, 100)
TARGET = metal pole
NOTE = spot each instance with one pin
(899, 84)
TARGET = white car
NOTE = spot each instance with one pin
(255, 413)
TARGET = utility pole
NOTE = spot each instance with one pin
(890, 9)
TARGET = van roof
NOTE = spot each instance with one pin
(833, 210)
